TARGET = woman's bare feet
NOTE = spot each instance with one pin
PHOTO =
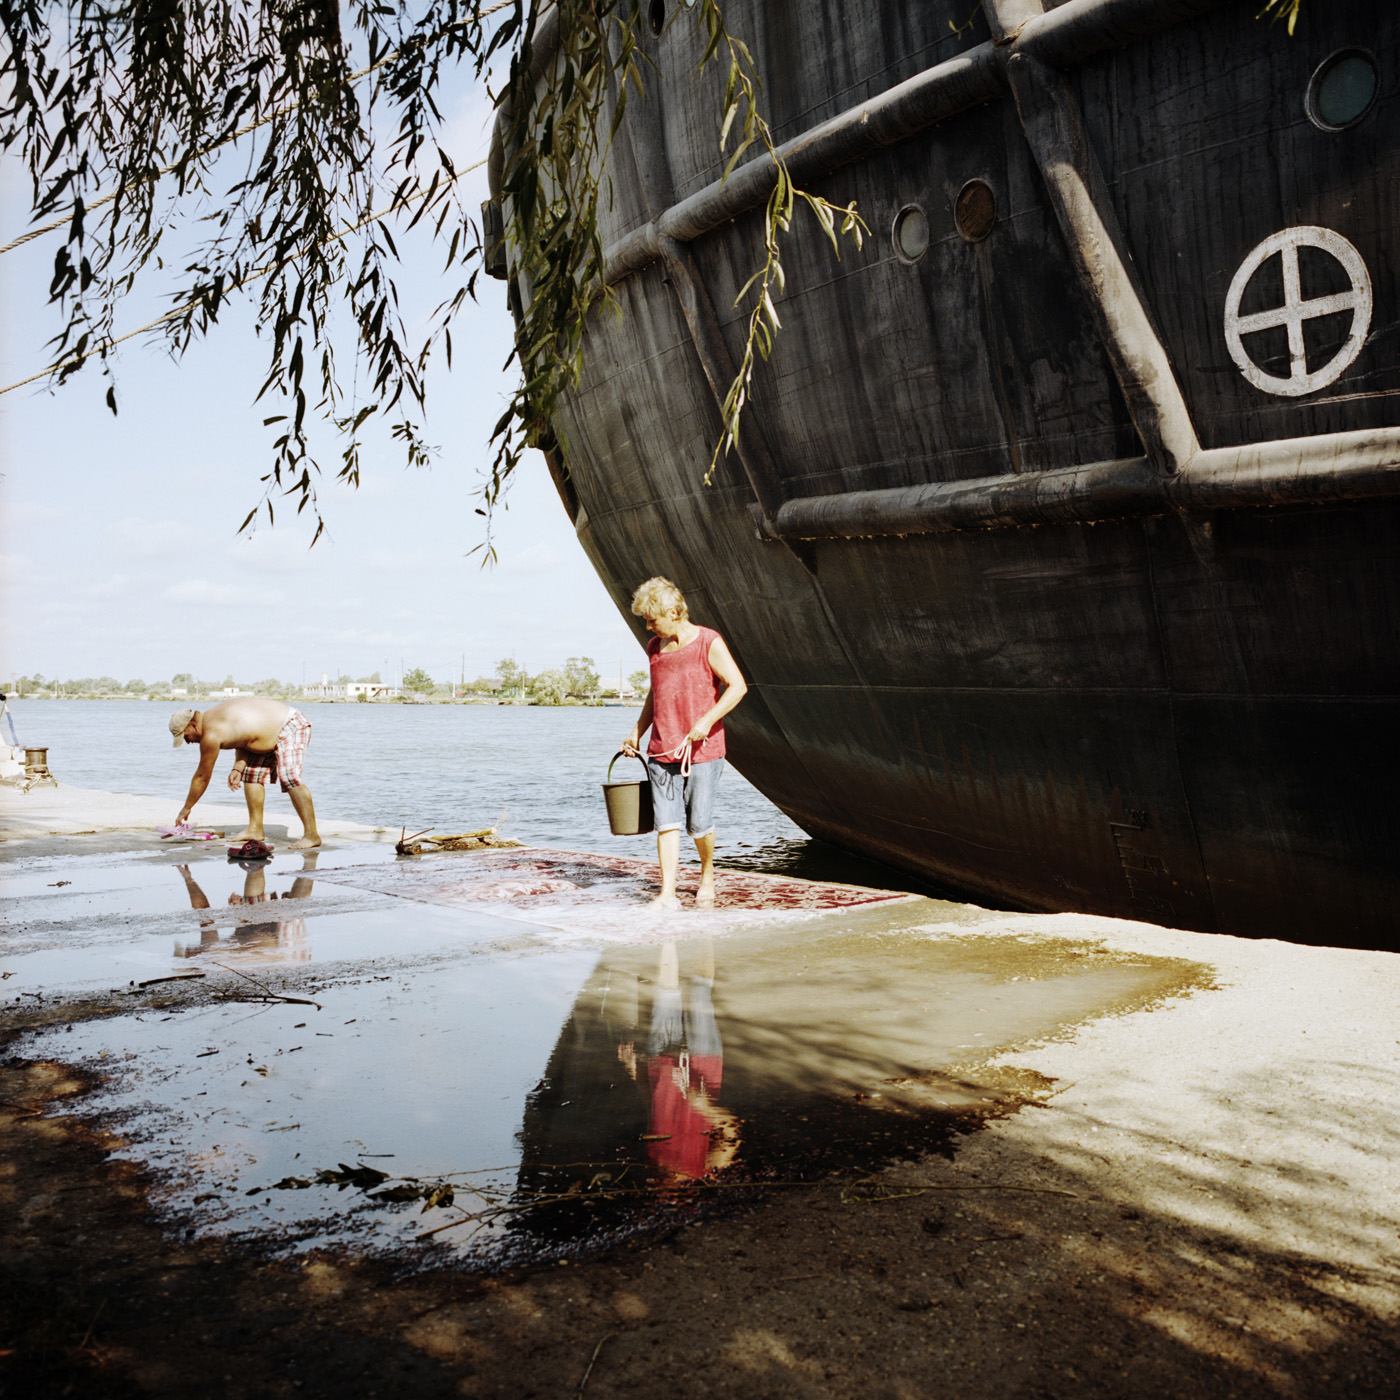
(664, 901)
(305, 844)
(705, 896)
(248, 834)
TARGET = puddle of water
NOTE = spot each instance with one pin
(683, 1069)
(222, 1100)
(54, 891)
(275, 934)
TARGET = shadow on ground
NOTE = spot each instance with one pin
(1034, 1267)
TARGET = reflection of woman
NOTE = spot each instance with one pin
(689, 1135)
(628, 1099)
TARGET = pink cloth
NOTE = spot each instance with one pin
(183, 832)
(683, 687)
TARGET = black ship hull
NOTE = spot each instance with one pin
(1041, 591)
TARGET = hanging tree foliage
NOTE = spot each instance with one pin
(127, 113)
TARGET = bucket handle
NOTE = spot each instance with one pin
(621, 754)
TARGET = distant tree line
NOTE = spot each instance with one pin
(576, 679)
(109, 687)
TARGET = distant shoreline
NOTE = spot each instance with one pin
(195, 701)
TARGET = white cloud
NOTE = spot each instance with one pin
(156, 540)
(19, 514)
(15, 566)
(114, 586)
(275, 551)
(200, 593)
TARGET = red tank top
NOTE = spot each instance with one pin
(683, 687)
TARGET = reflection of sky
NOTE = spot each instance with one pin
(420, 1074)
(118, 548)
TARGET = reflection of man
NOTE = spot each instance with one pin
(691, 1134)
(287, 936)
(270, 739)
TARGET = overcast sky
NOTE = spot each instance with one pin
(120, 555)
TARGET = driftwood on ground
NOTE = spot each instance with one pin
(420, 841)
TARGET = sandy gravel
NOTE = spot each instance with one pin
(1256, 1127)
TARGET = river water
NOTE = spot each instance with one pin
(533, 771)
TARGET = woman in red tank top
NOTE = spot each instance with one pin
(694, 684)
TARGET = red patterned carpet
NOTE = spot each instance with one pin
(552, 886)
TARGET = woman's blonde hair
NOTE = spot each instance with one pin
(657, 596)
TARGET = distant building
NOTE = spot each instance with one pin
(324, 691)
(624, 688)
(374, 690)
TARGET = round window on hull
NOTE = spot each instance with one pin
(1342, 90)
(656, 16)
(975, 210)
(910, 234)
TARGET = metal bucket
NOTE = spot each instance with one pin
(628, 804)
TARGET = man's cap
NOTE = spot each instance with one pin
(179, 722)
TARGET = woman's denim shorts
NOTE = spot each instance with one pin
(676, 800)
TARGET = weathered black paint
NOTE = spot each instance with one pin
(1146, 706)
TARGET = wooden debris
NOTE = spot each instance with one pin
(420, 842)
(267, 993)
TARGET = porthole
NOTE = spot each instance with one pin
(910, 234)
(656, 16)
(1342, 90)
(975, 210)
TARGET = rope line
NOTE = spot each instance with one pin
(104, 346)
(242, 131)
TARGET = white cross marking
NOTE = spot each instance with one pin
(1295, 310)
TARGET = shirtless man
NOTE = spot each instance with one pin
(270, 739)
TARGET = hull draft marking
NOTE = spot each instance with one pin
(1295, 310)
